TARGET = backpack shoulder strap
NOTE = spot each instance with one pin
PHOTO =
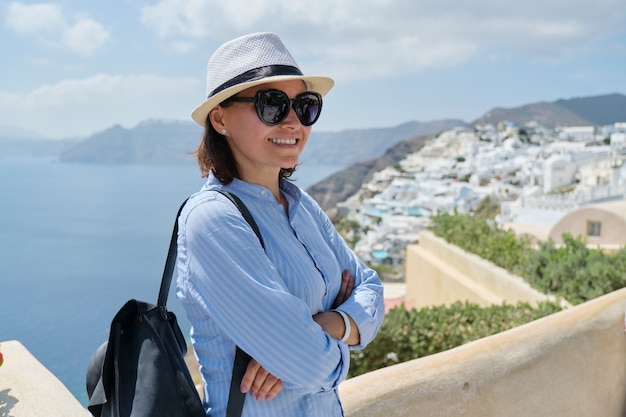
(236, 397)
(245, 213)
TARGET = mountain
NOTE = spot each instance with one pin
(160, 142)
(599, 110)
(351, 146)
(170, 142)
(546, 114)
(595, 110)
(151, 142)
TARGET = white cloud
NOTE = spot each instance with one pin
(82, 106)
(46, 23)
(382, 38)
(86, 36)
(34, 19)
(175, 18)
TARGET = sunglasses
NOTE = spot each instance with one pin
(272, 106)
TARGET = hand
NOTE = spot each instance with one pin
(347, 285)
(261, 384)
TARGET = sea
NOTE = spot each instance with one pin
(77, 241)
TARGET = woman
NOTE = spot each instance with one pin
(298, 305)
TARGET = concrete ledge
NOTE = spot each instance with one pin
(572, 363)
(440, 273)
(28, 389)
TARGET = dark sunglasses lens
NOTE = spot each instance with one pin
(273, 106)
(308, 107)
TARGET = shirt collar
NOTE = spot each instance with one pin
(291, 191)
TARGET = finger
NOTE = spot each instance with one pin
(345, 282)
(341, 294)
(267, 387)
(258, 383)
(249, 376)
(349, 286)
(273, 392)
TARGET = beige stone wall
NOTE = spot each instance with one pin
(572, 363)
(28, 389)
(439, 273)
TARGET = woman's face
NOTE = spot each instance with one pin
(262, 150)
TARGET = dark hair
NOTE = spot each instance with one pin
(214, 154)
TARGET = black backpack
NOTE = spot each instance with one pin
(140, 371)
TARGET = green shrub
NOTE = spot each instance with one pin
(571, 271)
(406, 335)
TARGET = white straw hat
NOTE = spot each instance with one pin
(248, 61)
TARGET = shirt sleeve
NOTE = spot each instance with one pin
(366, 303)
(229, 278)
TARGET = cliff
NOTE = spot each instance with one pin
(345, 183)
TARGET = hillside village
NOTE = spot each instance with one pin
(538, 174)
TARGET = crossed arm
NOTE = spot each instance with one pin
(265, 386)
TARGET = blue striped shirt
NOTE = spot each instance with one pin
(235, 293)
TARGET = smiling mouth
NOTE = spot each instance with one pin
(283, 141)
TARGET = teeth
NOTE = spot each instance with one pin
(283, 141)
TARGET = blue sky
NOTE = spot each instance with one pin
(75, 67)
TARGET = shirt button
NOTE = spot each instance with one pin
(263, 192)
